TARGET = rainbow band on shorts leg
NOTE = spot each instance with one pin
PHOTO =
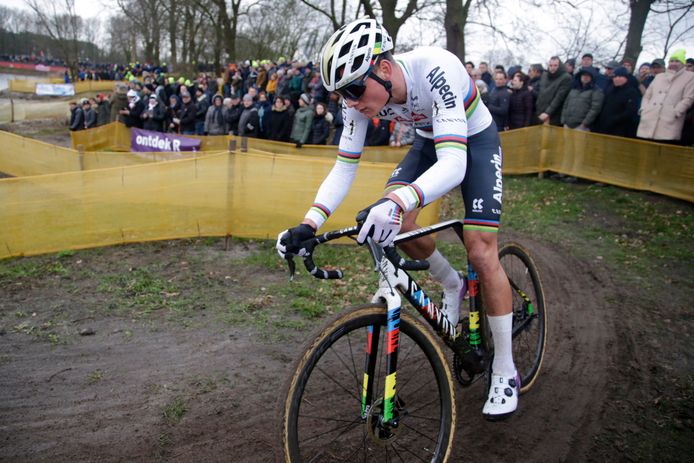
(481, 225)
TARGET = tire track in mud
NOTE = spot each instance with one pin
(557, 419)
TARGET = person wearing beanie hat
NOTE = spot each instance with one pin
(133, 111)
(679, 55)
(249, 121)
(154, 115)
(690, 64)
(666, 101)
(303, 121)
(619, 113)
(621, 71)
(214, 119)
(584, 102)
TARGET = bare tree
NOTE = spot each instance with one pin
(337, 18)
(60, 22)
(389, 13)
(455, 19)
(676, 27)
(145, 16)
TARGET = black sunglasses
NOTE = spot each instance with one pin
(354, 90)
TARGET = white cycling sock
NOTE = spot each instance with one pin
(501, 328)
(443, 272)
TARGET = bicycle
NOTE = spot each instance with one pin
(345, 402)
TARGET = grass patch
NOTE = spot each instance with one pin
(174, 410)
(95, 376)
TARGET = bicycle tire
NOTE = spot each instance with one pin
(529, 341)
(336, 353)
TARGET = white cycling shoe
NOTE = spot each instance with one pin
(450, 302)
(502, 400)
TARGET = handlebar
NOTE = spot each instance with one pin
(310, 245)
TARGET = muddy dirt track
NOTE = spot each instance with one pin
(157, 391)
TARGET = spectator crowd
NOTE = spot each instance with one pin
(286, 101)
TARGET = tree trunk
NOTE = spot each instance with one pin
(454, 24)
(638, 13)
(173, 23)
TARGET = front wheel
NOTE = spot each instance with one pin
(324, 417)
(529, 312)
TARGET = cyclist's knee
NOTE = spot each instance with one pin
(482, 251)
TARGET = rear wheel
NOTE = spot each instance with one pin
(529, 312)
(322, 413)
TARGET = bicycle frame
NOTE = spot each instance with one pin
(394, 282)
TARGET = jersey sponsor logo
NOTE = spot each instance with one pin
(351, 128)
(498, 187)
(396, 172)
(386, 112)
(437, 79)
(477, 205)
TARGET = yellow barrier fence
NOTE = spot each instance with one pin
(29, 85)
(122, 197)
(19, 110)
(246, 195)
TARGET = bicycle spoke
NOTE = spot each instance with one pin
(400, 444)
(343, 427)
(351, 393)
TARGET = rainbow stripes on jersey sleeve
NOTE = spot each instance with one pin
(472, 99)
(350, 157)
(450, 140)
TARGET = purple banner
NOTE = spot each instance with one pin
(146, 140)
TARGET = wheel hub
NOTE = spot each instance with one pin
(382, 433)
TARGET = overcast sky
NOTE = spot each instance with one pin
(484, 45)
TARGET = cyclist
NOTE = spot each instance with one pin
(456, 143)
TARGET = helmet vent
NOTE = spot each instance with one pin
(363, 41)
(345, 49)
(356, 64)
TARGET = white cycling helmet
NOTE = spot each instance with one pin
(351, 51)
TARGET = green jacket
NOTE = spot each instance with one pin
(303, 118)
(553, 91)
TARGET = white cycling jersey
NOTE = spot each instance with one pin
(443, 104)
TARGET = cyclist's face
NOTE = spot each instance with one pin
(373, 99)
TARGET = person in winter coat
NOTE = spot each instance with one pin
(202, 103)
(620, 107)
(499, 100)
(335, 108)
(584, 102)
(186, 115)
(303, 119)
(172, 113)
(279, 124)
(232, 114)
(520, 107)
(119, 102)
(555, 84)
(76, 117)
(320, 127)
(264, 109)
(103, 114)
(89, 115)
(134, 110)
(249, 122)
(154, 115)
(214, 120)
(666, 101)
